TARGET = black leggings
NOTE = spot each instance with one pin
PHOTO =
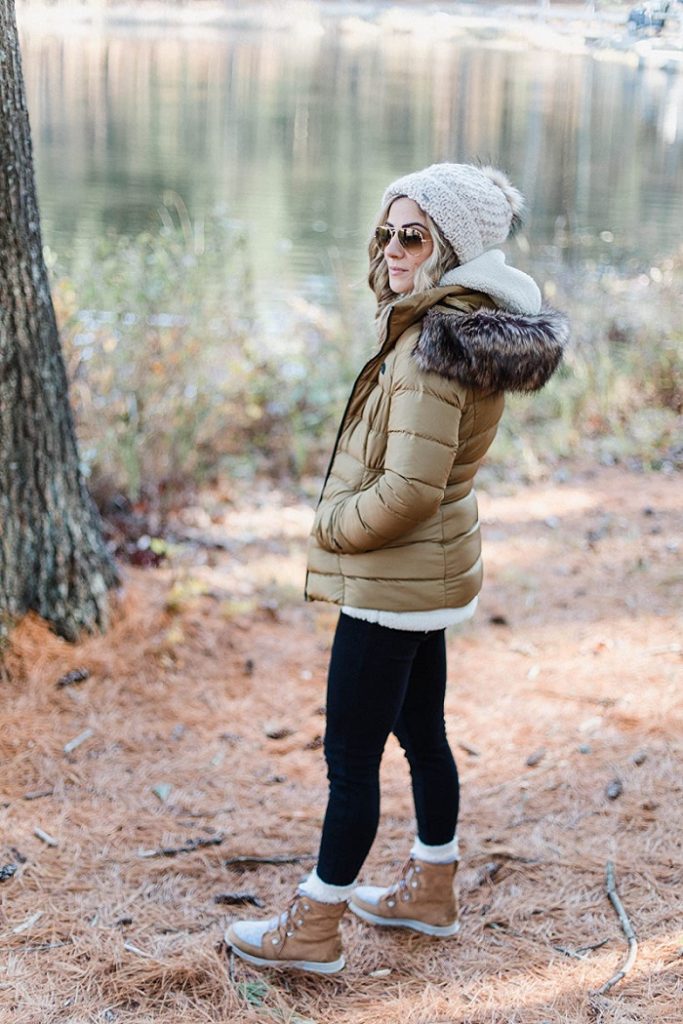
(383, 680)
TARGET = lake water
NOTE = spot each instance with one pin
(296, 132)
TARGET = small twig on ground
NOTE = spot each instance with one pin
(77, 675)
(578, 698)
(130, 948)
(592, 946)
(503, 853)
(28, 923)
(231, 964)
(248, 861)
(39, 948)
(77, 740)
(472, 751)
(487, 873)
(45, 836)
(36, 794)
(627, 928)
(574, 954)
(581, 951)
(238, 898)
(188, 847)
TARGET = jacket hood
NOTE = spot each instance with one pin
(493, 349)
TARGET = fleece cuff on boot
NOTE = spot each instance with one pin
(444, 854)
(314, 887)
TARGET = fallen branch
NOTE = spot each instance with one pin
(188, 847)
(627, 928)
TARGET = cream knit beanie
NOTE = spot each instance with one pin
(474, 207)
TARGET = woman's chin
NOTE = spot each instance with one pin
(400, 287)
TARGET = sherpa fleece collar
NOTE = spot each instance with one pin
(493, 348)
(509, 288)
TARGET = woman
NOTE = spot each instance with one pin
(396, 542)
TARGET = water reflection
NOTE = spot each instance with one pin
(297, 135)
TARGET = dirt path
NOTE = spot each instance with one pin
(574, 662)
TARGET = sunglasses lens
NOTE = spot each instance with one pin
(410, 239)
(382, 237)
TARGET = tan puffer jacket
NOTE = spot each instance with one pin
(397, 528)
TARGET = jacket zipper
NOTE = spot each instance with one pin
(342, 423)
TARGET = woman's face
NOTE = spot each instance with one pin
(402, 265)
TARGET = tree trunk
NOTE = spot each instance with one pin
(53, 558)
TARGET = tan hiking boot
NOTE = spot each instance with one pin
(422, 899)
(305, 936)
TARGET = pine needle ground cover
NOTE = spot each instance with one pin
(140, 766)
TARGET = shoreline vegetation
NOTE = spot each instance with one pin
(599, 30)
(179, 379)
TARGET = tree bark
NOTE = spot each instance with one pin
(53, 558)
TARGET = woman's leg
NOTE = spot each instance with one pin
(369, 672)
(421, 731)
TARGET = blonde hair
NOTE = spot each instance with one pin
(428, 274)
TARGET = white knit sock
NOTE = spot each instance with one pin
(324, 892)
(444, 854)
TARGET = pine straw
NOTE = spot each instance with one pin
(589, 660)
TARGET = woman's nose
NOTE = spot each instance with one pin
(394, 247)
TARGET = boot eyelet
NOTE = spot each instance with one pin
(289, 934)
(300, 921)
(414, 885)
(417, 869)
(274, 940)
(391, 903)
(306, 906)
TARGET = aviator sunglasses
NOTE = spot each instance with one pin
(410, 239)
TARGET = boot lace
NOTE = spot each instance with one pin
(408, 881)
(293, 917)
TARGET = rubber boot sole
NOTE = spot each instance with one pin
(333, 967)
(441, 931)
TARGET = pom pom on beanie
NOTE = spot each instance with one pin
(474, 207)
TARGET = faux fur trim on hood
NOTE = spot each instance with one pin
(493, 349)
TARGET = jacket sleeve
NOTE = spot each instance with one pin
(424, 420)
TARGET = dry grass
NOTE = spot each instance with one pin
(207, 651)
